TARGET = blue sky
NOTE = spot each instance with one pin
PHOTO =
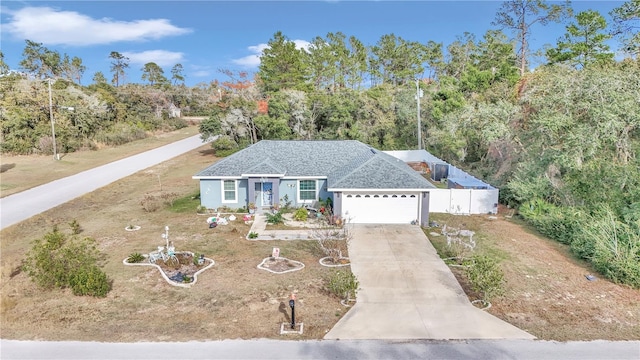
(205, 36)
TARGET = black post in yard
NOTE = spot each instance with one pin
(292, 304)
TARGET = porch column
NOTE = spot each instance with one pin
(424, 213)
(275, 188)
(251, 195)
(337, 203)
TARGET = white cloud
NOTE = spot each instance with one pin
(200, 71)
(302, 45)
(160, 57)
(253, 61)
(56, 27)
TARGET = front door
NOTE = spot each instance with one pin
(267, 193)
(264, 193)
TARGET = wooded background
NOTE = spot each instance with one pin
(561, 141)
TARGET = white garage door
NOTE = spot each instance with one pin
(380, 208)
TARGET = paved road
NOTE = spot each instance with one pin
(325, 349)
(23, 205)
(408, 292)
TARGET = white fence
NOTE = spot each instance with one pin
(463, 201)
(453, 201)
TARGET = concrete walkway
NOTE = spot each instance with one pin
(408, 292)
(259, 226)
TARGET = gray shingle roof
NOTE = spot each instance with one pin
(267, 167)
(381, 171)
(346, 164)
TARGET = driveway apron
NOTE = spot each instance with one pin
(408, 292)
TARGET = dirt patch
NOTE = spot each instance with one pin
(547, 291)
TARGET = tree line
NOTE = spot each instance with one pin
(560, 141)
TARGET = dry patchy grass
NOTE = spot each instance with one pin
(22, 172)
(234, 299)
(547, 293)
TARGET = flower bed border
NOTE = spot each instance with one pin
(171, 282)
(338, 265)
(280, 272)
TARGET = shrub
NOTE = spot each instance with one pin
(201, 209)
(343, 283)
(301, 214)
(90, 281)
(75, 227)
(253, 235)
(285, 203)
(56, 261)
(224, 146)
(274, 218)
(120, 134)
(485, 276)
(150, 203)
(135, 258)
(168, 198)
(559, 223)
(613, 248)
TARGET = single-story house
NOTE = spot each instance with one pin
(364, 184)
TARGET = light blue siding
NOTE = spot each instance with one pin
(288, 187)
(211, 194)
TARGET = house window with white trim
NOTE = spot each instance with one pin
(307, 190)
(229, 191)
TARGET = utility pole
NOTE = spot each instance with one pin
(53, 129)
(418, 96)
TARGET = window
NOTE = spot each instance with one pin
(229, 191)
(307, 190)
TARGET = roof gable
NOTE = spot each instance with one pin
(266, 167)
(380, 171)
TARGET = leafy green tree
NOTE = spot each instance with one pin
(119, 63)
(40, 61)
(211, 126)
(357, 63)
(459, 56)
(336, 115)
(584, 43)
(320, 64)
(153, 73)
(177, 74)
(579, 123)
(282, 65)
(496, 54)
(99, 78)
(4, 68)
(519, 16)
(396, 61)
(434, 59)
(24, 118)
(626, 23)
(72, 69)
(377, 119)
(288, 117)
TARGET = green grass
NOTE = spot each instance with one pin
(186, 204)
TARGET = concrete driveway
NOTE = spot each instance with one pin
(407, 292)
